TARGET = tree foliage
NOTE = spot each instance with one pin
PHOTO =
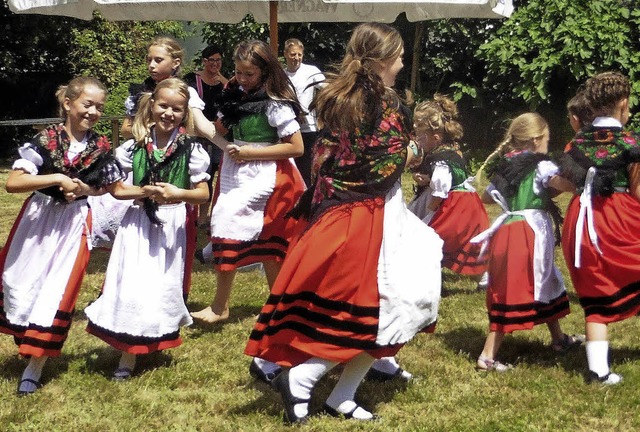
(548, 48)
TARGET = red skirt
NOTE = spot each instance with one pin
(460, 217)
(325, 301)
(511, 301)
(608, 285)
(277, 230)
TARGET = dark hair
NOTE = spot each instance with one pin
(579, 107)
(211, 50)
(604, 90)
(275, 81)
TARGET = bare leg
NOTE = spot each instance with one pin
(271, 270)
(492, 345)
(556, 331)
(219, 309)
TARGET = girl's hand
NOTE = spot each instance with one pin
(167, 193)
(69, 187)
(421, 179)
(150, 190)
(233, 151)
(86, 190)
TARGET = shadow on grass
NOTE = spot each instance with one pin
(103, 361)
(376, 393)
(456, 284)
(517, 349)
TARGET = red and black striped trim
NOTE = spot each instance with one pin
(528, 314)
(624, 303)
(135, 344)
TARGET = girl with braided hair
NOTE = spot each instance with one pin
(142, 304)
(525, 287)
(601, 237)
(355, 284)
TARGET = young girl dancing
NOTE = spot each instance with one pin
(445, 199)
(258, 183)
(364, 275)
(601, 236)
(142, 304)
(47, 252)
(525, 287)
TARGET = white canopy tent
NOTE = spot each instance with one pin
(267, 11)
(233, 11)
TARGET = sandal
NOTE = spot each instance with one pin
(488, 365)
(567, 342)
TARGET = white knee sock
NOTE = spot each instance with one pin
(127, 361)
(345, 390)
(303, 378)
(266, 366)
(598, 357)
(34, 368)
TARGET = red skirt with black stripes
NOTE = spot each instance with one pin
(460, 217)
(511, 300)
(608, 284)
(325, 301)
(277, 230)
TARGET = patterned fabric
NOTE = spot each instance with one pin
(449, 154)
(610, 150)
(94, 165)
(351, 166)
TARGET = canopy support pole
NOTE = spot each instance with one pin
(273, 26)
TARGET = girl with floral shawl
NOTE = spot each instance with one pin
(355, 285)
(47, 252)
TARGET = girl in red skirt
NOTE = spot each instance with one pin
(258, 183)
(363, 277)
(445, 200)
(47, 252)
(525, 287)
(601, 237)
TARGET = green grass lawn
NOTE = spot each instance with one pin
(204, 384)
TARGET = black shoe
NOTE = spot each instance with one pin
(36, 386)
(609, 379)
(349, 415)
(265, 377)
(378, 375)
(281, 384)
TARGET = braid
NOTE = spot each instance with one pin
(503, 145)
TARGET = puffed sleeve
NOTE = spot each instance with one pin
(545, 170)
(30, 160)
(124, 155)
(282, 117)
(441, 180)
(195, 101)
(198, 164)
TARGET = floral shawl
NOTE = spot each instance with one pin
(610, 150)
(351, 166)
(90, 165)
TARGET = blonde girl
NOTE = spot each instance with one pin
(525, 287)
(445, 200)
(47, 252)
(142, 304)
